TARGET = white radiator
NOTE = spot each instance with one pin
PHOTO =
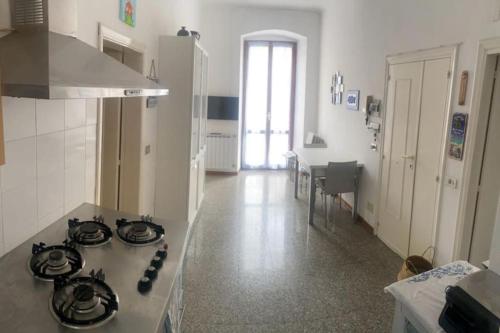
(222, 152)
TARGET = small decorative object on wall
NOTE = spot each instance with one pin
(195, 34)
(372, 108)
(458, 133)
(152, 101)
(337, 88)
(463, 88)
(352, 100)
(128, 9)
(183, 32)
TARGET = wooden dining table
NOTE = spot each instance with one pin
(315, 162)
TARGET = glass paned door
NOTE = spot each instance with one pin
(268, 104)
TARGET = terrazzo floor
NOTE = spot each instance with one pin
(255, 265)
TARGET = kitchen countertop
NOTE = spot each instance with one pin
(424, 296)
(24, 300)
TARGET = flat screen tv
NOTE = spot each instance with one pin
(223, 108)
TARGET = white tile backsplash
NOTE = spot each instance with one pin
(50, 190)
(45, 221)
(19, 118)
(90, 142)
(50, 154)
(20, 166)
(74, 187)
(50, 164)
(19, 215)
(76, 113)
(91, 111)
(49, 116)
(90, 174)
(74, 150)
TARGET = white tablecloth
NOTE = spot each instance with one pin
(424, 295)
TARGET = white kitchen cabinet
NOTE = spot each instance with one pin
(182, 117)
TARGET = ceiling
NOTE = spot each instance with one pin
(292, 4)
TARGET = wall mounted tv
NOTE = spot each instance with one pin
(223, 108)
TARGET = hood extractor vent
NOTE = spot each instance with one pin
(38, 61)
(28, 12)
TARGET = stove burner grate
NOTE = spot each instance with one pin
(48, 263)
(89, 233)
(139, 233)
(83, 302)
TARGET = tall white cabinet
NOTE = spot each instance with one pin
(182, 119)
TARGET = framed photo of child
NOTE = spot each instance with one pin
(128, 9)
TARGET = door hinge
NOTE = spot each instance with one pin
(438, 179)
(449, 74)
(389, 78)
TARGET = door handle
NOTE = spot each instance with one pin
(408, 157)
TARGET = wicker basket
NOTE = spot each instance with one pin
(414, 265)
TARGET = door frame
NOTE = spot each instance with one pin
(441, 52)
(291, 132)
(106, 34)
(488, 50)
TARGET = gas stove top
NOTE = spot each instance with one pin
(139, 233)
(50, 262)
(97, 269)
(89, 233)
(83, 302)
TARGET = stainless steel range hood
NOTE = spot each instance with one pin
(39, 63)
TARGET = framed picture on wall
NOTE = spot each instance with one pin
(337, 88)
(457, 135)
(128, 11)
(352, 100)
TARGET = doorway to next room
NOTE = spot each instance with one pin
(268, 103)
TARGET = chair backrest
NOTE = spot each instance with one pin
(341, 177)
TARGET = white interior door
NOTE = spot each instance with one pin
(431, 140)
(400, 148)
(415, 134)
(489, 186)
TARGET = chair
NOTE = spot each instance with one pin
(341, 177)
(290, 165)
(303, 179)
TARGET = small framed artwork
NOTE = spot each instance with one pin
(457, 135)
(337, 88)
(352, 100)
(128, 11)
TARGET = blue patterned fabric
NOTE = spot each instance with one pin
(453, 270)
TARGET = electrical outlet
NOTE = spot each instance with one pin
(370, 207)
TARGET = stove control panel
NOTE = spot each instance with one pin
(151, 273)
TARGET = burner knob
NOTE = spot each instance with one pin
(162, 253)
(157, 262)
(144, 285)
(151, 273)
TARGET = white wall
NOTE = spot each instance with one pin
(222, 29)
(357, 36)
(50, 169)
(51, 148)
(154, 18)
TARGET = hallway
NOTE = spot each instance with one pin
(254, 264)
